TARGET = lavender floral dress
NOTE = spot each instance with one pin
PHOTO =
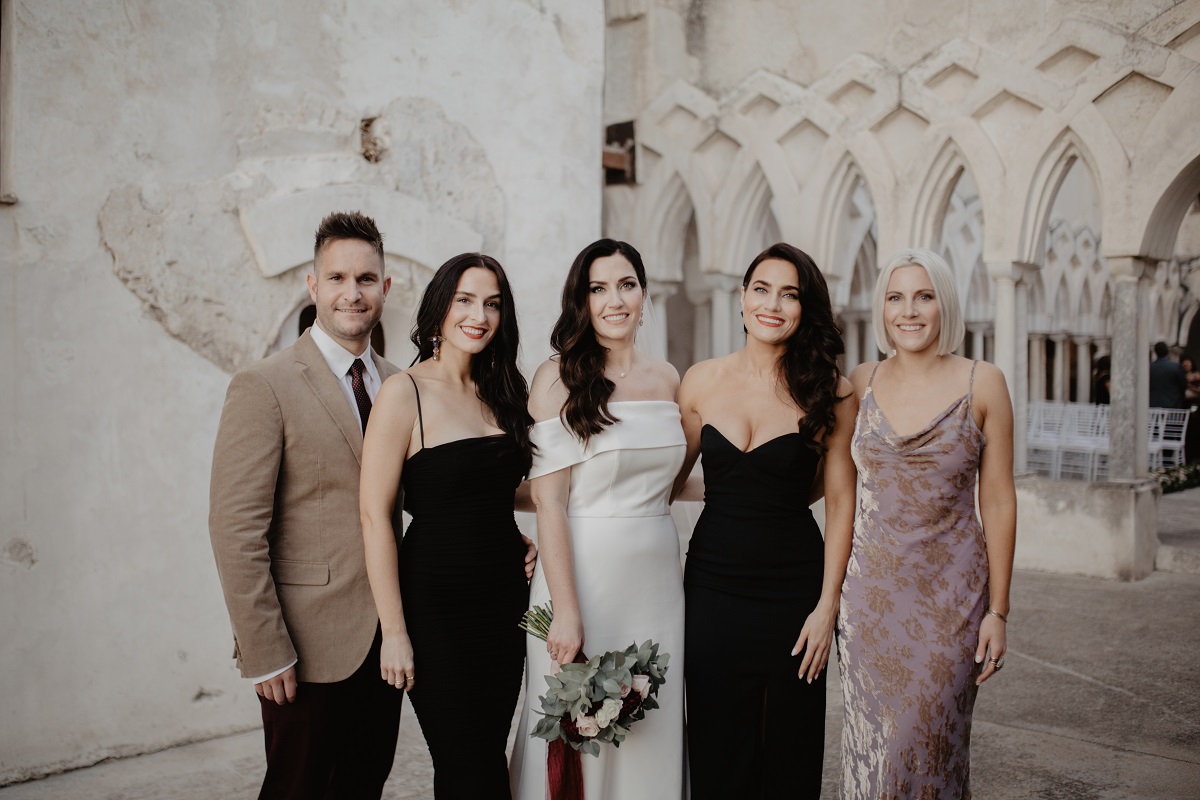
(915, 593)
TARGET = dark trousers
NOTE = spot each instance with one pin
(336, 741)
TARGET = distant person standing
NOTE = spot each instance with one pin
(1193, 379)
(1168, 381)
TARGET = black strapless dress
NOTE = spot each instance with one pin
(753, 575)
(462, 580)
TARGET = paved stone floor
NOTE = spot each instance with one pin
(1097, 700)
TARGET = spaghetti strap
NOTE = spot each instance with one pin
(871, 379)
(420, 418)
(971, 383)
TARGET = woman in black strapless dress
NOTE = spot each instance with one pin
(450, 600)
(761, 585)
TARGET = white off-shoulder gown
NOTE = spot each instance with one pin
(630, 585)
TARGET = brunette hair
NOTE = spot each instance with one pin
(347, 225)
(581, 357)
(498, 382)
(808, 366)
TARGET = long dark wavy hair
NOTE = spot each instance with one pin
(808, 366)
(498, 382)
(581, 357)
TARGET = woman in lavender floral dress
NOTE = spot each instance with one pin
(922, 621)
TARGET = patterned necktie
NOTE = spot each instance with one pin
(360, 391)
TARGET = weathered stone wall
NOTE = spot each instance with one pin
(171, 161)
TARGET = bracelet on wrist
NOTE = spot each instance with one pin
(996, 613)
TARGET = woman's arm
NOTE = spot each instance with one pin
(550, 495)
(997, 510)
(816, 637)
(690, 391)
(384, 447)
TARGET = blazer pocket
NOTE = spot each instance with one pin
(304, 573)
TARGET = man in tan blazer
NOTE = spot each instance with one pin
(285, 530)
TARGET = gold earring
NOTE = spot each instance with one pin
(437, 346)
(493, 356)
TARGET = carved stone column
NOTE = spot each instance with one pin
(1060, 370)
(726, 324)
(660, 293)
(1037, 367)
(1009, 341)
(1008, 338)
(1130, 393)
(1083, 369)
(702, 332)
(851, 330)
(1020, 376)
(977, 331)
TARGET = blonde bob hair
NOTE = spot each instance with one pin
(952, 327)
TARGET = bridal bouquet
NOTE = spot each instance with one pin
(596, 701)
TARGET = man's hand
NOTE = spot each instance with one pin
(281, 689)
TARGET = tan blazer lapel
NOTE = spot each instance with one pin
(320, 379)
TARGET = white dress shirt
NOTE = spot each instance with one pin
(339, 360)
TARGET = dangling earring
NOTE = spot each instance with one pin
(641, 320)
(493, 356)
(437, 346)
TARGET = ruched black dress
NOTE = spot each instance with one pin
(753, 575)
(462, 581)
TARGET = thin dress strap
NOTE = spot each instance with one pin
(871, 379)
(971, 387)
(420, 418)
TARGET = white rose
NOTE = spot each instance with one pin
(610, 709)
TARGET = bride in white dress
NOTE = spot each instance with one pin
(609, 443)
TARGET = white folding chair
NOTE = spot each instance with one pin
(1171, 437)
(1042, 437)
(1081, 440)
(1155, 421)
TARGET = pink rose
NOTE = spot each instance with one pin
(624, 689)
(641, 685)
(587, 726)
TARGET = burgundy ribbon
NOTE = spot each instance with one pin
(564, 771)
(564, 767)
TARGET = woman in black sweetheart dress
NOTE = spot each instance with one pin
(451, 596)
(761, 584)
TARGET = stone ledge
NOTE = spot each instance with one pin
(1100, 529)
(1184, 560)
